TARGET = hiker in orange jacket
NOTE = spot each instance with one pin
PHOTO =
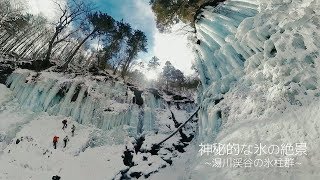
(55, 141)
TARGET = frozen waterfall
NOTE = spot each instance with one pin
(254, 42)
(96, 101)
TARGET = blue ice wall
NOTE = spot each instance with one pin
(220, 56)
(93, 100)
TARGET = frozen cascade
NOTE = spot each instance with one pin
(259, 66)
(237, 38)
(91, 101)
(220, 57)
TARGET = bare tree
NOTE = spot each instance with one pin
(71, 12)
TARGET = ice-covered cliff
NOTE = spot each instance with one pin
(259, 66)
(112, 120)
(96, 100)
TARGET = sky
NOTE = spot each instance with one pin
(172, 47)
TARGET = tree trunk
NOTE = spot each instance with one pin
(65, 65)
(30, 45)
(5, 40)
(180, 127)
(51, 46)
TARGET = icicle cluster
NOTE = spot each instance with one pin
(264, 50)
(99, 102)
(219, 53)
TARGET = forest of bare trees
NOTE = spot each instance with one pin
(79, 39)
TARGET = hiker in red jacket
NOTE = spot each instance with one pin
(55, 140)
(64, 122)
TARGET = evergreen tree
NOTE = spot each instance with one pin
(153, 63)
(170, 12)
(173, 77)
(137, 42)
(168, 73)
(112, 50)
(100, 24)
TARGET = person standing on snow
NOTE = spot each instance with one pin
(64, 122)
(55, 141)
(65, 140)
(73, 128)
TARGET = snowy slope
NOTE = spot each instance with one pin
(35, 158)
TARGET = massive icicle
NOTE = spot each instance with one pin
(220, 56)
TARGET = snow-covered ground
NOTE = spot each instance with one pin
(259, 65)
(35, 158)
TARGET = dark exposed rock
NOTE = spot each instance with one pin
(178, 97)
(148, 175)
(33, 78)
(216, 101)
(178, 106)
(169, 161)
(124, 175)
(136, 175)
(155, 149)
(86, 93)
(37, 65)
(138, 144)
(76, 94)
(63, 90)
(94, 70)
(127, 157)
(219, 113)
(273, 52)
(138, 98)
(129, 84)
(5, 71)
(155, 93)
(176, 123)
(179, 147)
(168, 93)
